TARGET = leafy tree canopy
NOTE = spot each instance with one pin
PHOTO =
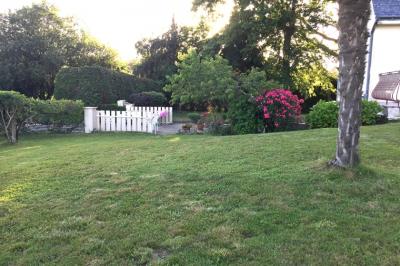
(201, 81)
(285, 37)
(159, 55)
(35, 42)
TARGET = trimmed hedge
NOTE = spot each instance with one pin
(96, 85)
(147, 98)
(325, 114)
(59, 113)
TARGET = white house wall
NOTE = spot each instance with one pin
(385, 55)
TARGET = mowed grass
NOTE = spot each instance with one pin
(128, 199)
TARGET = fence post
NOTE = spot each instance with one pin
(90, 119)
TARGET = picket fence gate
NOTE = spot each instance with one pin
(134, 119)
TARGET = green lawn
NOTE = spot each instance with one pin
(267, 199)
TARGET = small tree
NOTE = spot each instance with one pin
(15, 110)
(201, 81)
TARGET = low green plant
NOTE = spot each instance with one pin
(59, 113)
(370, 112)
(194, 117)
(325, 114)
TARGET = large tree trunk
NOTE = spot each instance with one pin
(353, 36)
(288, 33)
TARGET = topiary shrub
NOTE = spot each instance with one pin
(15, 110)
(148, 98)
(279, 107)
(323, 114)
(96, 85)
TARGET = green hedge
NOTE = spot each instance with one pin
(325, 114)
(59, 113)
(96, 85)
(148, 98)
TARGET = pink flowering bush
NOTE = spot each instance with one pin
(279, 108)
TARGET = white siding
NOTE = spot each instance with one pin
(385, 56)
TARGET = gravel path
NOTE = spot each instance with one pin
(170, 129)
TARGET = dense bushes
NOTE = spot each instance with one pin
(370, 112)
(325, 114)
(147, 98)
(244, 115)
(97, 85)
(279, 108)
(16, 109)
(59, 113)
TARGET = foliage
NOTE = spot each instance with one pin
(15, 110)
(148, 98)
(201, 81)
(96, 85)
(285, 38)
(111, 107)
(35, 42)
(216, 125)
(244, 115)
(370, 112)
(325, 114)
(279, 108)
(159, 55)
(255, 82)
(243, 111)
(194, 117)
(233, 200)
(60, 113)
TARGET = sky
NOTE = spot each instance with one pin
(121, 23)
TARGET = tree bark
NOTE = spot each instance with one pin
(13, 132)
(288, 33)
(353, 36)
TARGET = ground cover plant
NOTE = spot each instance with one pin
(136, 199)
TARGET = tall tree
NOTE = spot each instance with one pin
(159, 55)
(283, 35)
(35, 42)
(353, 36)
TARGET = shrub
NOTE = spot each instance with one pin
(194, 117)
(15, 110)
(323, 114)
(215, 124)
(96, 85)
(149, 98)
(279, 108)
(111, 107)
(59, 113)
(244, 115)
(370, 112)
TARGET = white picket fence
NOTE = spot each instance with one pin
(134, 119)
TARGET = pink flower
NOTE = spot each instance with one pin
(163, 114)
